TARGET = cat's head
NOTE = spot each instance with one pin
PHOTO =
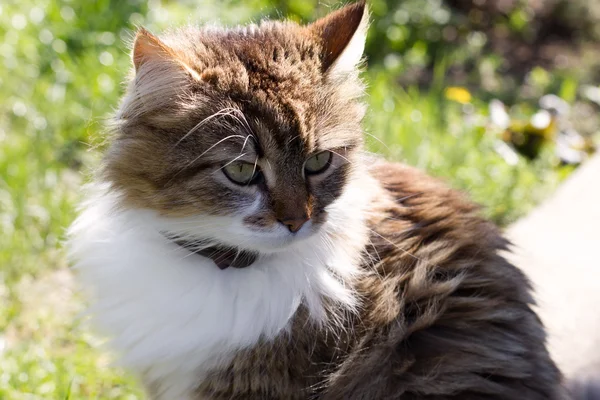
(252, 132)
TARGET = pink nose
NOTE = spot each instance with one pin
(294, 225)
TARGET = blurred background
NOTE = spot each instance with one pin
(500, 98)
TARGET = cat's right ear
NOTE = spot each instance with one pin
(149, 50)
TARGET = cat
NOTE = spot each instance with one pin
(239, 243)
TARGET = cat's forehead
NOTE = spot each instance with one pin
(291, 88)
(273, 56)
(259, 129)
(271, 73)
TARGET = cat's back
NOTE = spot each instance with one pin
(447, 316)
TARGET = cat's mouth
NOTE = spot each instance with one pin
(222, 255)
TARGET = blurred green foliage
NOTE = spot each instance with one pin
(61, 67)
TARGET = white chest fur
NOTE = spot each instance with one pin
(172, 314)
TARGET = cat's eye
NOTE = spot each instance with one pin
(318, 163)
(242, 173)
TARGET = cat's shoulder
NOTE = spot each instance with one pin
(402, 179)
(426, 197)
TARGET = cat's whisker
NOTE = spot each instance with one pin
(292, 139)
(190, 251)
(377, 139)
(220, 113)
(241, 118)
(339, 155)
(245, 143)
(189, 232)
(232, 161)
(203, 153)
(239, 250)
(255, 166)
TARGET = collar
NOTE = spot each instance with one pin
(223, 256)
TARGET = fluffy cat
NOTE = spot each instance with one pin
(239, 244)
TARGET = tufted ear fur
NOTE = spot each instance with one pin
(342, 34)
(148, 50)
(161, 75)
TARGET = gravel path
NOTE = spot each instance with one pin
(558, 246)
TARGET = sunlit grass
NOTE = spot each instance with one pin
(453, 140)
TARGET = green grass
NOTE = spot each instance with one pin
(61, 64)
(435, 134)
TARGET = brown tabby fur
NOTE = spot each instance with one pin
(443, 315)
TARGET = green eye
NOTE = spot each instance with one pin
(317, 163)
(242, 173)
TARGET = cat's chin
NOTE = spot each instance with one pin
(281, 239)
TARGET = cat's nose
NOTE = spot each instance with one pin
(294, 225)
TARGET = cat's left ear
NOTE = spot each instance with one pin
(150, 52)
(342, 35)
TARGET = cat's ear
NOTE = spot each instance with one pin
(161, 76)
(151, 51)
(148, 48)
(342, 34)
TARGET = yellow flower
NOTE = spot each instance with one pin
(457, 93)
